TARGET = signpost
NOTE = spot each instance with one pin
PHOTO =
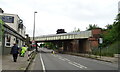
(100, 42)
(33, 44)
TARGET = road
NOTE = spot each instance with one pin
(45, 61)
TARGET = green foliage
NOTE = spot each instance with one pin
(42, 45)
(109, 26)
(92, 27)
(50, 45)
(76, 30)
(112, 33)
(111, 39)
(118, 17)
(1, 35)
(116, 30)
(1, 24)
(1, 27)
(108, 50)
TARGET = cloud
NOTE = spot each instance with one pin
(66, 14)
(50, 23)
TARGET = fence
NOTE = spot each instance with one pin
(107, 51)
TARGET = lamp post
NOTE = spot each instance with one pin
(34, 27)
(34, 32)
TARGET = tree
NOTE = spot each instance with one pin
(112, 33)
(109, 26)
(116, 25)
(1, 27)
(92, 27)
(27, 42)
(76, 30)
(49, 45)
(118, 18)
(1, 35)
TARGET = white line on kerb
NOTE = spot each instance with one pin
(43, 66)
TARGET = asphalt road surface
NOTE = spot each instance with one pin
(46, 61)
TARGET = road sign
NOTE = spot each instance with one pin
(100, 40)
(33, 44)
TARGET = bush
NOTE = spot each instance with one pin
(108, 51)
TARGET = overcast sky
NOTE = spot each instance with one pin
(65, 14)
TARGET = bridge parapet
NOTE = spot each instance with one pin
(65, 36)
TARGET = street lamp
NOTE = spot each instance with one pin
(34, 32)
(34, 27)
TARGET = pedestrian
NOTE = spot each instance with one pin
(14, 52)
(23, 50)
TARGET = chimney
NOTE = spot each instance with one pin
(1, 11)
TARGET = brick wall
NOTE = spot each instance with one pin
(95, 36)
(96, 32)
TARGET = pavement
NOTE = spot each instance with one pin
(0, 63)
(8, 64)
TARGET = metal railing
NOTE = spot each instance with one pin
(31, 55)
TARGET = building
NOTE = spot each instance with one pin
(14, 31)
(119, 7)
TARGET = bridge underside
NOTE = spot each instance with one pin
(78, 45)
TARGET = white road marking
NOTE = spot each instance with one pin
(80, 65)
(70, 62)
(62, 59)
(73, 64)
(43, 66)
(77, 65)
(66, 59)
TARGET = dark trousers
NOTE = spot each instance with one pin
(15, 57)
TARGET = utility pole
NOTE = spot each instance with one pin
(34, 44)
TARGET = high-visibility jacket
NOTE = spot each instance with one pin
(23, 49)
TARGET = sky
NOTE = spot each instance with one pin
(61, 14)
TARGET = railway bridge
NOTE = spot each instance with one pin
(81, 42)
